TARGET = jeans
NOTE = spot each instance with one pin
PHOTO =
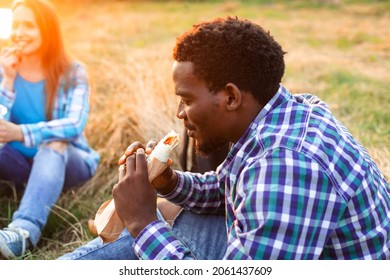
(46, 175)
(205, 235)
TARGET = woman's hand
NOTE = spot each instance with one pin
(9, 60)
(10, 132)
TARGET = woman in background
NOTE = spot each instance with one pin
(46, 97)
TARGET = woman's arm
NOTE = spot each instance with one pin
(70, 113)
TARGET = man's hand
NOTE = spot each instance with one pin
(163, 183)
(135, 199)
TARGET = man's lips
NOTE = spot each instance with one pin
(190, 131)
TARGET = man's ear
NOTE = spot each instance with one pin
(233, 97)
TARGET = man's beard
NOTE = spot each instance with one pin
(207, 148)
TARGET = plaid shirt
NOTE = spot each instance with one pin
(70, 114)
(295, 186)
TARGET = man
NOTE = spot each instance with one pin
(295, 184)
(190, 160)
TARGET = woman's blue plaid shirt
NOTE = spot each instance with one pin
(70, 115)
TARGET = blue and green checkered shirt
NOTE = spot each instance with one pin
(296, 185)
(70, 114)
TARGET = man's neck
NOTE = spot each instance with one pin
(244, 117)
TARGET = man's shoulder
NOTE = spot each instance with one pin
(285, 126)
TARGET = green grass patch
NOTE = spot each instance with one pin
(362, 103)
(127, 47)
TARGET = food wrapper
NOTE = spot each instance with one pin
(107, 222)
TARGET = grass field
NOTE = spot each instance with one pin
(338, 50)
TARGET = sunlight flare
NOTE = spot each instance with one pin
(5, 23)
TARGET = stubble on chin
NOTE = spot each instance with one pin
(204, 150)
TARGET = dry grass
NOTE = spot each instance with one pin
(341, 52)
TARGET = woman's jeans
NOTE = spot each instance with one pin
(205, 235)
(47, 175)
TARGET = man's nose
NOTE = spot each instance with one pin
(180, 114)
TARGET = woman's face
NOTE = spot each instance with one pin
(25, 31)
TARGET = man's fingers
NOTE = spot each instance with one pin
(130, 163)
(121, 171)
(150, 146)
(133, 147)
(140, 160)
(129, 151)
(122, 160)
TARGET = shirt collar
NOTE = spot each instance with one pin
(281, 96)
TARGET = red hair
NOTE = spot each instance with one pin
(55, 60)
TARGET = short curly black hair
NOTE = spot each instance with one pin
(232, 50)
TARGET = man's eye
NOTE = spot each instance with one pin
(185, 102)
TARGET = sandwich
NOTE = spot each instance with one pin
(107, 222)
